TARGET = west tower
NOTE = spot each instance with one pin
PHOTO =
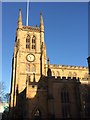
(29, 58)
(59, 93)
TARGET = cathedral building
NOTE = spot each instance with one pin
(40, 90)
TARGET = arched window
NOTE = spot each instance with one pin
(64, 96)
(86, 76)
(84, 97)
(33, 68)
(74, 74)
(27, 67)
(28, 78)
(53, 73)
(69, 74)
(65, 103)
(37, 115)
(28, 42)
(33, 42)
(57, 73)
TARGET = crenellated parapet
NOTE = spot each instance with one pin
(54, 66)
(31, 28)
(63, 78)
(69, 71)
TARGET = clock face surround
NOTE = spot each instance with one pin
(30, 57)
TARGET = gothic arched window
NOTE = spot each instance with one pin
(53, 73)
(84, 97)
(74, 74)
(64, 96)
(28, 42)
(33, 68)
(37, 115)
(65, 103)
(28, 78)
(33, 42)
(69, 74)
(27, 67)
(57, 73)
(86, 76)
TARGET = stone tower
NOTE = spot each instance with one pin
(40, 89)
(29, 58)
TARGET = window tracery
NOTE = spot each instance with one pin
(65, 103)
(28, 42)
(27, 67)
(74, 74)
(53, 73)
(64, 96)
(57, 73)
(86, 75)
(37, 114)
(69, 74)
(33, 68)
(33, 42)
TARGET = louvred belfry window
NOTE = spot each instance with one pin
(28, 42)
(33, 42)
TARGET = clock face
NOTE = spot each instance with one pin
(30, 57)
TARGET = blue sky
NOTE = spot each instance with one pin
(66, 32)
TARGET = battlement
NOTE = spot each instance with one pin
(31, 28)
(54, 66)
(65, 78)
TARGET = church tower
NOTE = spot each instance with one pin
(29, 58)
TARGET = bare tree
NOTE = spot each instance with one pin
(7, 97)
(2, 91)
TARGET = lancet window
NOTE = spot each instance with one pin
(65, 103)
(53, 73)
(86, 76)
(57, 73)
(28, 67)
(37, 115)
(69, 74)
(74, 74)
(33, 68)
(33, 42)
(28, 42)
(64, 96)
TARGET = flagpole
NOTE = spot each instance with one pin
(27, 12)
